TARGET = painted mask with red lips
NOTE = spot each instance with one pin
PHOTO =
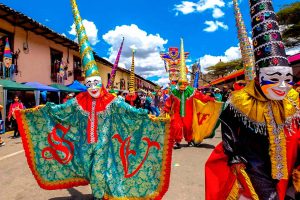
(94, 85)
(276, 82)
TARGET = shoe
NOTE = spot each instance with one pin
(191, 144)
(176, 145)
(2, 144)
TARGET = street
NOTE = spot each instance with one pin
(17, 182)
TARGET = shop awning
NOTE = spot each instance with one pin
(41, 87)
(11, 85)
(77, 86)
(63, 88)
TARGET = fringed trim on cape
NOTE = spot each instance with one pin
(258, 127)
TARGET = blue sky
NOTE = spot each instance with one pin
(207, 26)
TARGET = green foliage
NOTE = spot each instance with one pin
(223, 68)
(289, 16)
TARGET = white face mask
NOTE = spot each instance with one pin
(94, 85)
(276, 82)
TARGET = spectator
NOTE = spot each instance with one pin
(148, 102)
(16, 105)
(143, 99)
(218, 95)
(225, 93)
(156, 104)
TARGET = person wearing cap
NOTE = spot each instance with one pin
(97, 139)
(225, 93)
(259, 126)
(218, 95)
(180, 106)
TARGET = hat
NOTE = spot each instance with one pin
(86, 52)
(182, 76)
(269, 49)
(245, 46)
(110, 82)
(217, 90)
(132, 79)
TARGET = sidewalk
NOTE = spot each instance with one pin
(11, 145)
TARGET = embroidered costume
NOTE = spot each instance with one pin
(180, 106)
(97, 139)
(258, 123)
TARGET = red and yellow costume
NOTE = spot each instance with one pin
(181, 112)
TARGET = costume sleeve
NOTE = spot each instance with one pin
(61, 113)
(229, 130)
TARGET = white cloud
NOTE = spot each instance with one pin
(148, 46)
(217, 13)
(214, 26)
(163, 80)
(231, 53)
(91, 31)
(187, 7)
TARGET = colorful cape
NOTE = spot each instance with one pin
(130, 158)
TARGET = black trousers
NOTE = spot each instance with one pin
(15, 127)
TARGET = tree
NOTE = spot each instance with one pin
(289, 19)
(223, 68)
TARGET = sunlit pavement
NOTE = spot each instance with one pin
(17, 182)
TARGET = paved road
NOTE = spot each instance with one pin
(17, 183)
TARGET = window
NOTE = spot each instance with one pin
(78, 71)
(56, 59)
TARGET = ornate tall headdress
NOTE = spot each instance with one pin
(86, 52)
(245, 46)
(269, 49)
(110, 82)
(182, 76)
(132, 75)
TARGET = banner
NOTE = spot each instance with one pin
(205, 118)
